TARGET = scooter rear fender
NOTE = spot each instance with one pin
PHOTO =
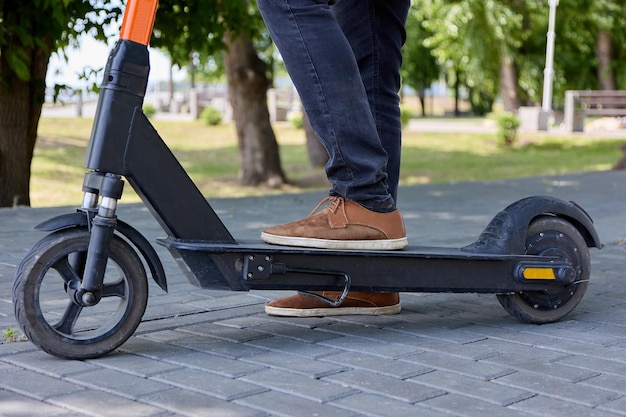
(83, 219)
(506, 233)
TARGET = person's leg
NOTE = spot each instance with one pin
(324, 68)
(375, 32)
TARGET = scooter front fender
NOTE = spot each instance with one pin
(83, 219)
(506, 233)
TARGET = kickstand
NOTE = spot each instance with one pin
(333, 303)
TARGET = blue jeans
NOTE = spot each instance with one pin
(344, 59)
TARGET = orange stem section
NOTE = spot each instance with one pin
(139, 20)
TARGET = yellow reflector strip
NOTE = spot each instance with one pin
(539, 273)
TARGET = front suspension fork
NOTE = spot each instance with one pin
(106, 188)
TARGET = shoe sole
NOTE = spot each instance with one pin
(305, 242)
(332, 311)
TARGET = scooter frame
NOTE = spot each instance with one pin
(124, 144)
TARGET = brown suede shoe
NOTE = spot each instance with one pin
(342, 224)
(368, 303)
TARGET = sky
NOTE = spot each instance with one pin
(94, 54)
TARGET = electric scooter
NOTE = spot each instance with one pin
(82, 290)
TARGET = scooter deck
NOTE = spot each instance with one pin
(256, 265)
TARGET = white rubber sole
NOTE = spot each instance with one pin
(306, 242)
(332, 311)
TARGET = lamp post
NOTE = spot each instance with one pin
(548, 72)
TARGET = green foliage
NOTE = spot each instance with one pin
(10, 335)
(419, 65)
(198, 27)
(405, 115)
(211, 116)
(507, 123)
(149, 110)
(296, 119)
(28, 29)
(474, 38)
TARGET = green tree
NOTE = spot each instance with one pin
(232, 28)
(419, 65)
(479, 40)
(30, 32)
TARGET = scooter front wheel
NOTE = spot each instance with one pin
(552, 236)
(44, 296)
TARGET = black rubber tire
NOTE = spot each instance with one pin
(53, 321)
(552, 236)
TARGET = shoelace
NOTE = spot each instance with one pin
(335, 204)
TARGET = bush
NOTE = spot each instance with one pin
(507, 123)
(149, 110)
(211, 116)
(405, 115)
(296, 119)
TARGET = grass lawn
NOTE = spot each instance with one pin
(209, 154)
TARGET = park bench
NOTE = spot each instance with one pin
(579, 104)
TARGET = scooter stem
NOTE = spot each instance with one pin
(138, 21)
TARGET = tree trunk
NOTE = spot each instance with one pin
(247, 92)
(508, 84)
(20, 109)
(457, 93)
(318, 156)
(421, 95)
(604, 53)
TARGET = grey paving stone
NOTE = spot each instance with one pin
(208, 383)
(371, 347)
(304, 334)
(370, 332)
(295, 364)
(117, 383)
(223, 348)
(459, 405)
(468, 367)
(41, 362)
(402, 390)
(378, 365)
(283, 405)
(377, 405)
(515, 350)
(36, 385)
(609, 382)
(556, 370)
(440, 330)
(618, 406)
(132, 364)
(229, 368)
(542, 406)
(558, 389)
(193, 404)
(295, 347)
(465, 351)
(320, 390)
(222, 332)
(16, 405)
(479, 389)
(230, 300)
(603, 365)
(17, 347)
(99, 403)
(245, 322)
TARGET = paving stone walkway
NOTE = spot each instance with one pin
(212, 353)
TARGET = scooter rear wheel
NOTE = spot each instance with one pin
(47, 311)
(551, 236)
